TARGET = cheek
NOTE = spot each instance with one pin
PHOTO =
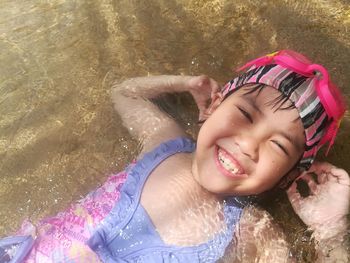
(277, 170)
(270, 174)
(263, 185)
(275, 162)
(210, 132)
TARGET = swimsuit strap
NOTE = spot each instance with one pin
(138, 173)
(14, 249)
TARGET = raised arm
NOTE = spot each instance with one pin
(258, 239)
(142, 118)
(325, 210)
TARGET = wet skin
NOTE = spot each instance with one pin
(248, 134)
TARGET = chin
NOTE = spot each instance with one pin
(238, 190)
(220, 189)
(213, 187)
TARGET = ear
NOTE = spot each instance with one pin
(216, 100)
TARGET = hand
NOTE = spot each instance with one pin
(203, 89)
(324, 210)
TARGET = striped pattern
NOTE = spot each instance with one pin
(298, 89)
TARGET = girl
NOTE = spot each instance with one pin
(181, 202)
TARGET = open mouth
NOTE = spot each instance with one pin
(227, 164)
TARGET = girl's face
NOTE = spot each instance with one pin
(247, 144)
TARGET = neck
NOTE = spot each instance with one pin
(193, 190)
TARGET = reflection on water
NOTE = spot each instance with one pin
(59, 136)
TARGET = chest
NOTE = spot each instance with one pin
(181, 214)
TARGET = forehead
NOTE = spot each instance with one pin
(265, 96)
(268, 104)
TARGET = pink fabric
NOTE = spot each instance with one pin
(313, 129)
(62, 238)
(303, 97)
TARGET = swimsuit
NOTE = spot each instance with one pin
(111, 223)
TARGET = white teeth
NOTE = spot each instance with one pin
(227, 164)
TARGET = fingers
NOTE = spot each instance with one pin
(331, 178)
(215, 87)
(310, 182)
(206, 93)
(328, 172)
(322, 178)
(332, 173)
(320, 167)
(294, 196)
(204, 80)
(293, 192)
(341, 176)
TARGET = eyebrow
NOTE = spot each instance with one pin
(252, 102)
(292, 139)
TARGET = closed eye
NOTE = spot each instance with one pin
(281, 147)
(246, 115)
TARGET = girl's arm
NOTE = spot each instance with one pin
(325, 210)
(145, 121)
(332, 250)
(258, 239)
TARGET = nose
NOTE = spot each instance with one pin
(249, 146)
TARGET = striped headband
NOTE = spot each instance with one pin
(300, 88)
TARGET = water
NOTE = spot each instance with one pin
(59, 136)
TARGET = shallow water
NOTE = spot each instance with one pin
(59, 136)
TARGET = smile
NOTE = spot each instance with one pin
(227, 164)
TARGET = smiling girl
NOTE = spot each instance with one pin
(187, 202)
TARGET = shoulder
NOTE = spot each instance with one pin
(168, 146)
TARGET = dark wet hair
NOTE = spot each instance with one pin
(277, 103)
